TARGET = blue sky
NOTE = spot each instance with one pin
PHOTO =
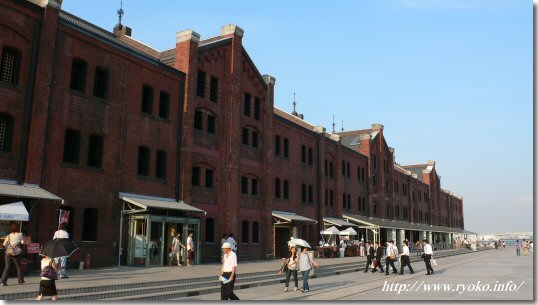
(450, 81)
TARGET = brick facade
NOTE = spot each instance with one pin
(208, 82)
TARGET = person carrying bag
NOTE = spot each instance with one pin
(13, 253)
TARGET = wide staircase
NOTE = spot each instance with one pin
(177, 289)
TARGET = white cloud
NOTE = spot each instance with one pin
(523, 201)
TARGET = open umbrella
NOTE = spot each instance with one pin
(299, 242)
(58, 248)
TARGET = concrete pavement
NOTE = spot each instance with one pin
(456, 278)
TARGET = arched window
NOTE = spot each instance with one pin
(244, 231)
(9, 68)
(89, 230)
(255, 232)
(209, 230)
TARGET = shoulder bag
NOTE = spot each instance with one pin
(13, 250)
(49, 272)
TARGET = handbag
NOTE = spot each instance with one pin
(49, 273)
(392, 254)
(13, 250)
(284, 267)
(433, 262)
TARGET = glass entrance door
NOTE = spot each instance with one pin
(138, 242)
(156, 244)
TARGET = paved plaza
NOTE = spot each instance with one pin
(471, 272)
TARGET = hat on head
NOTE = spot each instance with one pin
(226, 245)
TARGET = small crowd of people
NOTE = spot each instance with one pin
(526, 245)
(376, 252)
(177, 250)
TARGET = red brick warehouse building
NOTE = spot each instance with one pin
(141, 144)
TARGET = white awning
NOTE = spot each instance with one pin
(289, 217)
(10, 188)
(337, 222)
(330, 231)
(348, 231)
(146, 202)
(14, 211)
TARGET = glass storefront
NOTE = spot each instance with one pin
(150, 238)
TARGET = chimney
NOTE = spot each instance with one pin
(231, 30)
(57, 4)
(377, 126)
(121, 30)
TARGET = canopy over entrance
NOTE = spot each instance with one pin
(10, 188)
(282, 217)
(14, 211)
(142, 203)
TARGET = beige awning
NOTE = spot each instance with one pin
(10, 188)
(146, 202)
(330, 221)
(290, 216)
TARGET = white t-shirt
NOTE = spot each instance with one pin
(60, 234)
(428, 249)
(190, 243)
(14, 239)
(230, 261)
(405, 250)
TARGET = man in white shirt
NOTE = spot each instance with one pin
(391, 256)
(61, 261)
(228, 273)
(428, 253)
(404, 257)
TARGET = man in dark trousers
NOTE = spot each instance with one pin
(378, 256)
(405, 258)
(370, 254)
(392, 254)
(428, 253)
(228, 275)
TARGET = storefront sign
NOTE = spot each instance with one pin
(33, 248)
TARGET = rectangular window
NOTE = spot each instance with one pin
(100, 83)
(310, 156)
(362, 174)
(245, 136)
(147, 99)
(359, 200)
(277, 188)
(303, 192)
(6, 131)
(209, 178)
(211, 126)
(196, 176)
(9, 70)
(160, 165)
(164, 105)
(246, 106)
(201, 84)
(71, 146)
(326, 197)
(254, 187)
(343, 168)
(214, 91)
(78, 75)
(198, 119)
(388, 211)
(326, 168)
(330, 169)
(244, 185)
(310, 194)
(257, 108)
(255, 140)
(286, 147)
(143, 161)
(344, 201)
(303, 154)
(95, 151)
(331, 195)
(348, 169)
(277, 145)
(286, 189)
(349, 201)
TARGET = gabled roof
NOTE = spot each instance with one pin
(352, 139)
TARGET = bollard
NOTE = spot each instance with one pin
(88, 261)
(80, 265)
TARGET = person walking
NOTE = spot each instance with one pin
(47, 286)
(61, 262)
(428, 254)
(228, 273)
(525, 248)
(13, 253)
(404, 258)
(391, 256)
(518, 248)
(293, 266)
(177, 249)
(370, 254)
(190, 250)
(378, 256)
(305, 264)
